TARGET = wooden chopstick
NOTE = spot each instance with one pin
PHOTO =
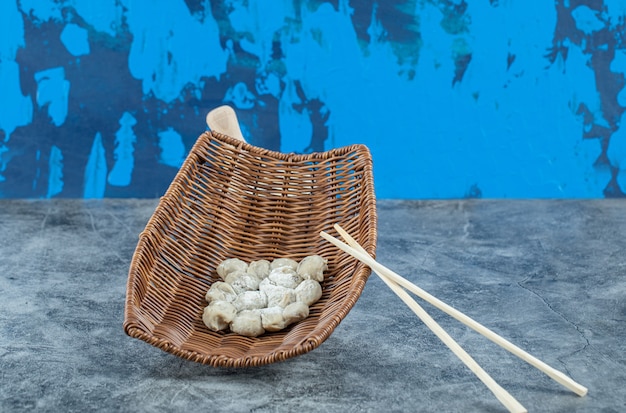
(556, 375)
(501, 394)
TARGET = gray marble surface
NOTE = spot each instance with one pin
(547, 275)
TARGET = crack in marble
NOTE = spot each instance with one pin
(99, 235)
(466, 226)
(42, 229)
(427, 252)
(121, 223)
(579, 330)
(45, 219)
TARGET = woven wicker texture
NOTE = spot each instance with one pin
(234, 200)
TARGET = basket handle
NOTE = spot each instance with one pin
(223, 119)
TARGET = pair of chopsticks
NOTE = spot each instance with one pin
(395, 282)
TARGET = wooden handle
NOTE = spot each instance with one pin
(223, 119)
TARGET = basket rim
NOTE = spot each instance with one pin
(284, 156)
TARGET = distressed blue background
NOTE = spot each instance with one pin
(455, 98)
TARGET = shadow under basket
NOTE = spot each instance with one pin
(234, 200)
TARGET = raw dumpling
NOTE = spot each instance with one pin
(250, 300)
(244, 282)
(263, 295)
(295, 312)
(277, 296)
(285, 277)
(220, 291)
(260, 268)
(272, 319)
(218, 315)
(312, 268)
(247, 323)
(284, 262)
(308, 292)
(232, 276)
(230, 265)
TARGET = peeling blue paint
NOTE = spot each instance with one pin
(96, 170)
(615, 10)
(172, 48)
(75, 39)
(103, 16)
(15, 108)
(4, 160)
(41, 10)
(12, 29)
(55, 172)
(587, 20)
(53, 92)
(240, 96)
(172, 148)
(455, 98)
(124, 163)
(618, 66)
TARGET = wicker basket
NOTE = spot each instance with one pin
(231, 199)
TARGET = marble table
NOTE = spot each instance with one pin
(549, 275)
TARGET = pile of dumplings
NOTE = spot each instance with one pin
(262, 295)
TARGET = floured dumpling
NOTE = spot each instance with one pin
(230, 265)
(295, 312)
(260, 269)
(243, 282)
(277, 296)
(247, 323)
(285, 277)
(312, 268)
(284, 262)
(263, 296)
(250, 300)
(218, 315)
(220, 291)
(272, 319)
(308, 292)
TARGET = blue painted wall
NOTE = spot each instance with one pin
(455, 98)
